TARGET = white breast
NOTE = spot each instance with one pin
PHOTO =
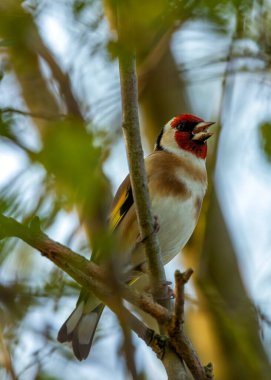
(176, 207)
(177, 217)
(177, 221)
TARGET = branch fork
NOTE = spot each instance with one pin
(93, 277)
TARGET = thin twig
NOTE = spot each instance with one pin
(128, 347)
(178, 339)
(35, 115)
(180, 280)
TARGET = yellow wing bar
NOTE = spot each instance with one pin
(121, 204)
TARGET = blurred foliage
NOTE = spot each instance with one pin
(15, 300)
(62, 137)
(265, 134)
(73, 161)
(44, 376)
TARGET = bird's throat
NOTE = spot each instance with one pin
(199, 149)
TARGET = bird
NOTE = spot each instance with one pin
(177, 182)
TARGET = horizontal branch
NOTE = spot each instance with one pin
(83, 271)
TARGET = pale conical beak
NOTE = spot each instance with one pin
(200, 132)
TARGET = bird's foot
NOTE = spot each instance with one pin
(156, 225)
(168, 291)
(156, 228)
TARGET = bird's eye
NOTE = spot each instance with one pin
(181, 126)
(186, 126)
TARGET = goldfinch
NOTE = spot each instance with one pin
(177, 182)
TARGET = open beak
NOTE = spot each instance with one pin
(200, 132)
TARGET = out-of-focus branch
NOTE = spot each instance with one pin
(24, 53)
(5, 359)
(32, 114)
(25, 47)
(232, 311)
(24, 61)
(162, 93)
(62, 78)
(226, 303)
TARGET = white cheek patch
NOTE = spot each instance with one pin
(168, 140)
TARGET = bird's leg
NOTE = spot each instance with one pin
(156, 228)
(156, 225)
(169, 291)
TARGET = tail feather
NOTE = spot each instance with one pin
(66, 331)
(79, 329)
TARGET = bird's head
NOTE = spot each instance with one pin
(187, 132)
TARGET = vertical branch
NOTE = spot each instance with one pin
(180, 280)
(130, 125)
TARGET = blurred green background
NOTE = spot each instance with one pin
(62, 158)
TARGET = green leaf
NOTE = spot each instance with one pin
(265, 137)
